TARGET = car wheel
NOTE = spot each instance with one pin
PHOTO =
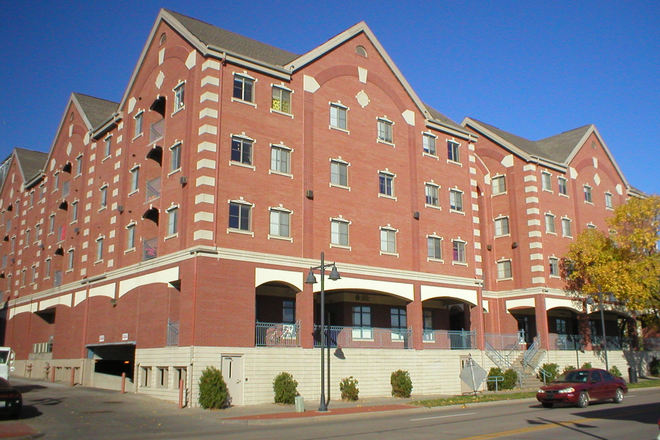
(583, 400)
(618, 396)
(547, 404)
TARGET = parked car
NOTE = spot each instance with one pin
(581, 386)
(11, 400)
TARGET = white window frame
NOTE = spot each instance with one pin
(385, 131)
(562, 183)
(499, 187)
(282, 151)
(130, 236)
(99, 249)
(434, 240)
(337, 109)
(242, 140)
(79, 164)
(247, 82)
(546, 181)
(566, 223)
(336, 166)
(456, 200)
(275, 223)
(104, 196)
(75, 210)
(107, 146)
(175, 156)
(500, 224)
(609, 201)
(282, 90)
(550, 225)
(431, 193)
(340, 229)
(386, 177)
(459, 248)
(588, 195)
(553, 266)
(70, 259)
(429, 144)
(135, 179)
(179, 96)
(504, 270)
(172, 221)
(388, 241)
(242, 205)
(138, 128)
(453, 151)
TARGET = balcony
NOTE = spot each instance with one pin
(268, 334)
(364, 337)
(153, 189)
(157, 131)
(149, 248)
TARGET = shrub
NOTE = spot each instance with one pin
(551, 369)
(401, 383)
(213, 393)
(286, 388)
(510, 379)
(654, 367)
(568, 368)
(615, 371)
(349, 389)
(492, 385)
(586, 365)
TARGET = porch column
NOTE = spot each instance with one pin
(541, 321)
(415, 317)
(305, 315)
(479, 320)
(585, 331)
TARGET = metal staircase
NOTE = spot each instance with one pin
(509, 353)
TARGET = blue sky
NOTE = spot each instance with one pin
(533, 68)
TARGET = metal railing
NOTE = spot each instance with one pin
(497, 357)
(565, 342)
(268, 334)
(150, 248)
(153, 189)
(450, 339)
(172, 333)
(157, 131)
(364, 337)
(613, 342)
(529, 357)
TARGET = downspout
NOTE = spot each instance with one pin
(223, 63)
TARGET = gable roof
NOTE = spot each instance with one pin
(30, 162)
(95, 111)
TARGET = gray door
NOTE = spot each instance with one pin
(232, 372)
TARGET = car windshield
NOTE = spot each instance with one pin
(574, 376)
(4, 355)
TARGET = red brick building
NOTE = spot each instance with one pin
(175, 229)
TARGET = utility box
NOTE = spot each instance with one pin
(300, 404)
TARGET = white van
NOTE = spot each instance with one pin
(6, 362)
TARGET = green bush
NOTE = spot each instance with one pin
(586, 365)
(552, 369)
(286, 388)
(654, 367)
(401, 383)
(492, 385)
(510, 379)
(213, 393)
(615, 371)
(568, 368)
(349, 389)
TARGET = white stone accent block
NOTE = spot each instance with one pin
(534, 222)
(191, 61)
(310, 84)
(205, 163)
(207, 146)
(531, 178)
(534, 234)
(529, 167)
(208, 96)
(161, 56)
(203, 235)
(508, 161)
(532, 200)
(208, 112)
(533, 211)
(210, 129)
(205, 180)
(536, 257)
(409, 117)
(538, 268)
(211, 64)
(362, 75)
(529, 189)
(536, 245)
(204, 198)
(538, 280)
(203, 216)
(210, 80)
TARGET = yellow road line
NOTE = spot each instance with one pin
(529, 429)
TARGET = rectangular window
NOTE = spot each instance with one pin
(175, 163)
(587, 194)
(172, 221)
(456, 200)
(51, 224)
(386, 183)
(388, 240)
(66, 188)
(566, 227)
(554, 266)
(428, 325)
(432, 196)
(339, 232)
(79, 165)
(434, 245)
(501, 226)
(338, 173)
(135, 179)
(243, 88)
(338, 116)
(546, 181)
(99, 249)
(504, 270)
(138, 124)
(179, 95)
(239, 216)
(130, 236)
(104, 196)
(428, 144)
(362, 322)
(281, 100)
(385, 130)
(241, 150)
(47, 274)
(608, 201)
(398, 322)
(56, 181)
(280, 159)
(70, 259)
(563, 185)
(550, 223)
(459, 251)
(453, 152)
(74, 212)
(27, 238)
(279, 223)
(288, 311)
(107, 148)
(499, 185)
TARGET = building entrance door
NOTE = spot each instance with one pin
(232, 372)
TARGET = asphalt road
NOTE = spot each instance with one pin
(60, 412)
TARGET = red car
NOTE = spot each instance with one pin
(11, 400)
(580, 386)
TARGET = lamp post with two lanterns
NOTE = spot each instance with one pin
(611, 299)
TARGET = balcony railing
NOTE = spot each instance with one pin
(153, 189)
(172, 333)
(150, 248)
(364, 337)
(565, 342)
(277, 335)
(157, 131)
(450, 339)
(613, 342)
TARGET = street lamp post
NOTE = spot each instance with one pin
(311, 279)
(590, 301)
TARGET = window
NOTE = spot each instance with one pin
(434, 245)
(99, 249)
(281, 100)
(162, 377)
(554, 266)
(591, 226)
(566, 227)
(504, 270)
(47, 274)
(70, 259)
(104, 196)
(51, 224)
(453, 153)
(338, 116)
(135, 178)
(56, 181)
(280, 159)
(179, 94)
(587, 194)
(386, 183)
(546, 181)
(288, 311)
(608, 201)
(241, 150)
(66, 188)
(456, 200)
(385, 130)
(388, 240)
(175, 151)
(79, 164)
(138, 124)
(428, 325)
(563, 186)
(107, 146)
(428, 144)
(339, 232)
(338, 172)
(74, 211)
(279, 222)
(550, 224)
(172, 220)
(362, 322)
(459, 251)
(130, 236)
(501, 226)
(239, 215)
(243, 88)
(27, 237)
(499, 185)
(432, 197)
(398, 322)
